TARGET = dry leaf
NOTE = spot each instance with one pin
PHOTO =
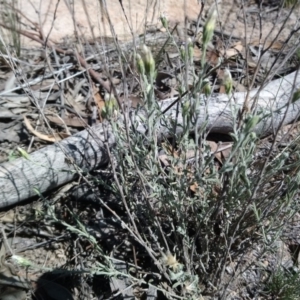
(45, 137)
(197, 54)
(164, 159)
(173, 55)
(74, 121)
(76, 102)
(250, 61)
(213, 146)
(225, 149)
(14, 101)
(277, 45)
(238, 87)
(168, 149)
(131, 101)
(11, 216)
(194, 187)
(6, 113)
(234, 50)
(214, 150)
(134, 101)
(212, 57)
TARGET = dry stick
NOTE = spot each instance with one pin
(81, 60)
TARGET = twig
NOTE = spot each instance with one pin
(81, 60)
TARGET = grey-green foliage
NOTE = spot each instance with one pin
(193, 217)
(232, 206)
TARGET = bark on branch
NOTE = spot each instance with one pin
(54, 165)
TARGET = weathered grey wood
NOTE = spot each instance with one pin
(272, 100)
(50, 167)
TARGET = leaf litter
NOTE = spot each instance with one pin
(62, 93)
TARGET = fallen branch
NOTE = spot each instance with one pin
(59, 163)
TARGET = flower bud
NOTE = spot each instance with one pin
(296, 96)
(182, 52)
(181, 90)
(148, 62)
(227, 81)
(206, 88)
(164, 21)
(190, 50)
(23, 153)
(140, 64)
(253, 136)
(110, 107)
(22, 261)
(298, 54)
(185, 108)
(210, 25)
(251, 122)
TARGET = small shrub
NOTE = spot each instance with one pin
(284, 285)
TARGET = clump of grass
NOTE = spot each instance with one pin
(284, 285)
(11, 36)
(290, 3)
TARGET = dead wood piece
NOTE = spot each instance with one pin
(54, 165)
(120, 284)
